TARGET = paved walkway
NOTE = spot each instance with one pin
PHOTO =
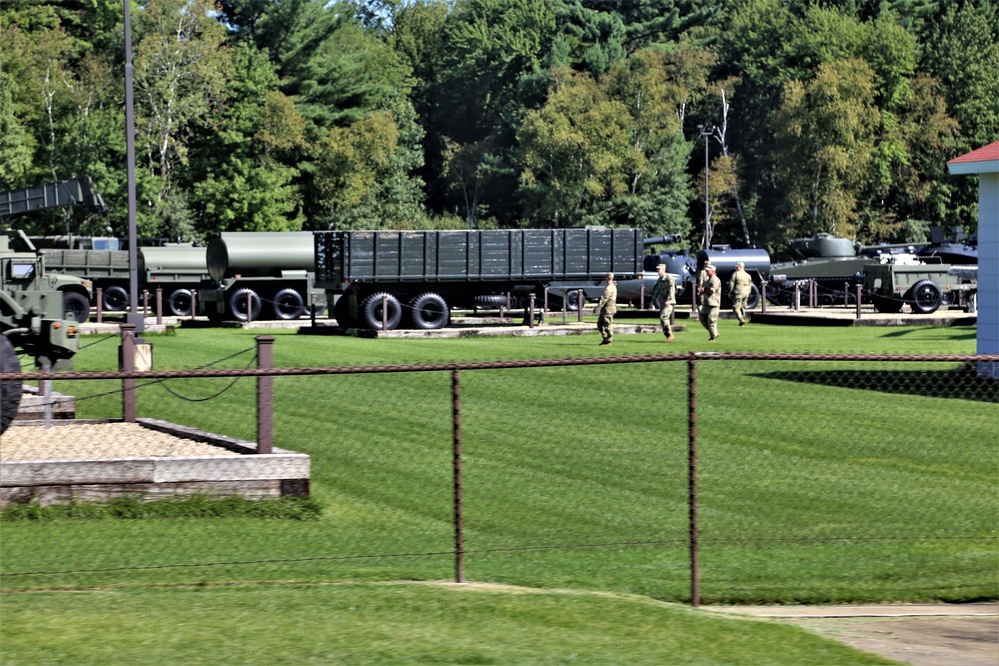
(922, 635)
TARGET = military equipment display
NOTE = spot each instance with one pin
(417, 278)
(923, 286)
(250, 270)
(31, 322)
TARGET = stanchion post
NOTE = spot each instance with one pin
(530, 312)
(384, 312)
(459, 536)
(763, 297)
(859, 287)
(265, 395)
(159, 306)
(128, 365)
(581, 300)
(695, 582)
(100, 305)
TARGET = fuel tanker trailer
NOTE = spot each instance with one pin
(176, 269)
(267, 274)
(415, 278)
(724, 258)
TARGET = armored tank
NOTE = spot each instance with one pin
(836, 265)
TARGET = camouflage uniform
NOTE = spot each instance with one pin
(739, 288)
(607, 308)
(664, 297)
(710, 304)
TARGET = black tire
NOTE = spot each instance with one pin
(341, 312)
(429, 312)
(947, 299)
(115, 298)
(924, 297)
(288, 304)
(754, 297)
(179, 302)
(75, 306)
(237, 305)
(371, 311)
(10, 389)
(490, 301)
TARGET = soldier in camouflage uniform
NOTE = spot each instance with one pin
(606, 309)
(710, 303)
(739, 288)
(664, 298)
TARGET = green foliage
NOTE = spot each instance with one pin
(195, 506)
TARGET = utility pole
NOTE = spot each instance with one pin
(706, 132)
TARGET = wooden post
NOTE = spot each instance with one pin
(265, 395)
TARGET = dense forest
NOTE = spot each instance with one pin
(269, 115)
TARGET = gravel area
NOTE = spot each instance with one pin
(98, 440)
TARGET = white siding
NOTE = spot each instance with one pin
(988, 270)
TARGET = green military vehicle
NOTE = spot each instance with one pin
(24, 269)
(31, 322)
(923, 285)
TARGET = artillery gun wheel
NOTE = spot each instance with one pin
(179, 302)
(371, 311)
(238, 308)
(429, 312)
(115, 298)
(10, 389)
(288, 304)
(925, 297)
(75, 306)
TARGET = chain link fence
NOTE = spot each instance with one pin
(721, 477)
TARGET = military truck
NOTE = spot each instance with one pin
(416, 278)
(31, 322)
(78, 197)
(25, 269)
(255, 275)
(922, 285)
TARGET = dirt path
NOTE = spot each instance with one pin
(922, 635)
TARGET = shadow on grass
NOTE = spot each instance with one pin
(961, 384)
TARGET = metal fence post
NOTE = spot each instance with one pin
(459, 536)
(695, 582)
(763, 298)
(194, 303)
(858, 300)
(265, 395)
(128, 365)
(100, 305)
(145, 302)
(530, 312)
(384, 312)
(582, 302)
(249, 307)
(159, 306)
(312, 311)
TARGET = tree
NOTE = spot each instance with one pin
(827, 129)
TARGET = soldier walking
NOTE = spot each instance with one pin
(710, 303)
(606, 309)
(664, 297)
(739, 288)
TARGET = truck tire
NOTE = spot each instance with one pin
(237, 305)
(179, 302)
(10, 389)
(924, 297)
(75, 306)
(429, 312)
(115, 298)
(754, 297)
(371, 311)
(288, 304)
(341, 312)
(490, 301)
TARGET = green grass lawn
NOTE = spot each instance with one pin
(819, 483)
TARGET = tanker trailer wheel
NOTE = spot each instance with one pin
(237, 304)
(371, 311)
(925, 297)
(75, 306)
(288, 304)
(179, 302)
(429, 312)
(754, 297)
(115, 298)
(10, 389)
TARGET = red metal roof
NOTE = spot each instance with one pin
(984, 154)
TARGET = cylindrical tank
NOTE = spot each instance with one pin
(724, 259)
(259, 253)
(172, 259)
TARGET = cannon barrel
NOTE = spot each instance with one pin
(259, 254)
